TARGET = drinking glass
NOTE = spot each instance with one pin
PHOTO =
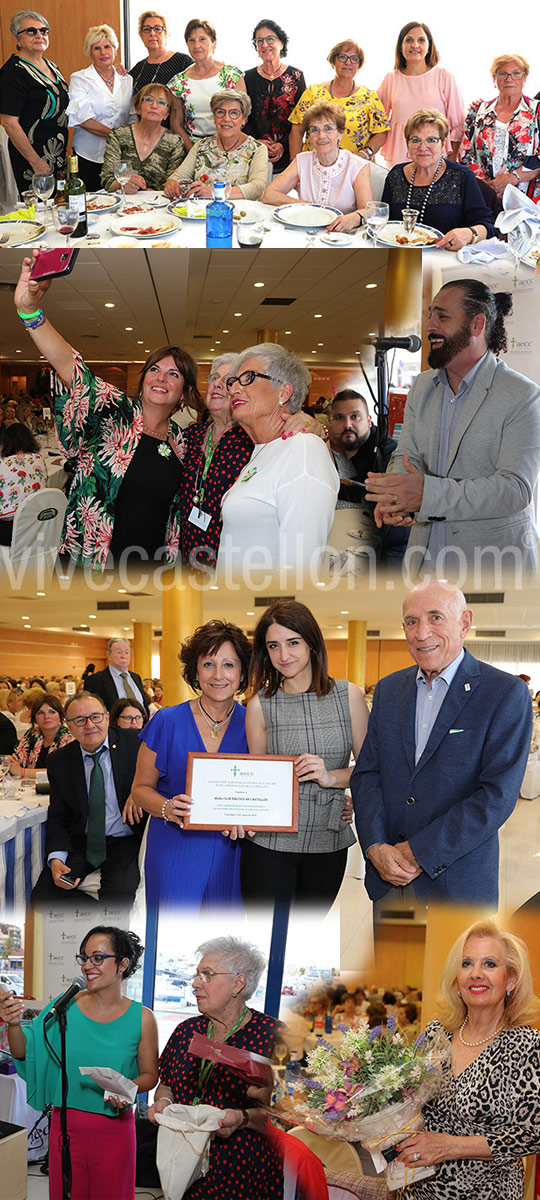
(377, 215)
(66, 219)
(4, 768)
(410, 217)
(43, 185)
(123, 174)
(249, 234)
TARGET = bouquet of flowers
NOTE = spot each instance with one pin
(371, 1088)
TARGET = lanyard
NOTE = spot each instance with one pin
(207, 1066)
(201, 479)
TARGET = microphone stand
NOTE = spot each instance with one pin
(64, 1135)
(381, 414)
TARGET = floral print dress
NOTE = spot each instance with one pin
(479, 137)
(195, 96)
(100, 427)
(272, 101)
(20, 475)
(31, 744)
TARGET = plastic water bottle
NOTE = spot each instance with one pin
(219, 220)
(292, 1073)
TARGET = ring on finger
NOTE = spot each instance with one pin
(416, 1157)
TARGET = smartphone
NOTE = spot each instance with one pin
(69, 877)
(51, 263)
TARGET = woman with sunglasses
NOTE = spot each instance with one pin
(33, 101)
(366, 123)
(106, 1029)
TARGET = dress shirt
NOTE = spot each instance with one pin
(452, 405)
(114, 826)
(429, 702)
(119, 684)
(91, 99)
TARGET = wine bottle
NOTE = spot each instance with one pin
(76, 194)
(60, 193)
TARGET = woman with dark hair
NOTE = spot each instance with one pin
(273, 88)
(87, 674)
(194, 87)
(297, 708)
(22, 471)
(104, 1028)
(193, 867)
(48, 731)
(128, 714)
(417, 81)
(128, 451)
(366, 123)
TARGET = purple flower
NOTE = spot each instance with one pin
(391, 1023)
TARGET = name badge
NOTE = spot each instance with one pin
(199, 518)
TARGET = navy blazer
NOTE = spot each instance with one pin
(450, 805)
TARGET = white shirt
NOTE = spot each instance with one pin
(91, 99)
(280, 510)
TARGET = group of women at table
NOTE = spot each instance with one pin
(183, 121)
(477, 1129)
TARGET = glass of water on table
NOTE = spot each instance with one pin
(410, 217)
(377, 214)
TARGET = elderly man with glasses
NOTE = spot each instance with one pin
(90, 781)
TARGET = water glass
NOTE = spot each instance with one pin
(377, 215)
(410, 217)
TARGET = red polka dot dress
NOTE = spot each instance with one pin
(199, 547)
(244, 1166)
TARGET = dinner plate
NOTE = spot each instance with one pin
(146, 226)
(99, 202)
(156, 199)
(21, 232)
(394, 230)
(306, 216)
(194, 211)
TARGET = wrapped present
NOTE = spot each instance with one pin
(250, 1067)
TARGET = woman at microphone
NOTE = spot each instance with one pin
(104, 1028)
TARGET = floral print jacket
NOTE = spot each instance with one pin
(28, 750)
(478, 141)
(100, 427)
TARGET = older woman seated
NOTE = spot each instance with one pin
(228, 154)
(153, 152)
(326, 174)
(446, 195)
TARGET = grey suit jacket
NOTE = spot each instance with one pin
(493, 464)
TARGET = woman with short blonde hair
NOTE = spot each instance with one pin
(502, 133)
(99, 100)
(160, 64)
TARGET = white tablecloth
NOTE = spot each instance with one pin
(22, 816)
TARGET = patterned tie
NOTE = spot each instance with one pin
(96, 846)
(130, 694)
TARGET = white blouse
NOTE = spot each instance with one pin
(91, 99)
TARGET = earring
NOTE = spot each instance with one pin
(197, 684)
(281, 403)
(509, 991)
(459, 993)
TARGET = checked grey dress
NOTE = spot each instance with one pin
(498, 1097)
(304, 723)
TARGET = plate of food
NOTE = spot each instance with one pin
(20, 232)
(306, 216)
(133, 205)
(393, 234)
(189, 210)
(101, 202)
(146, 226)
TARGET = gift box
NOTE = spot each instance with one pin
(249, 1067)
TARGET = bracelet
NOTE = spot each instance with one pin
(245, 1118)
(34, 320)
(163, 807)
(28, 316)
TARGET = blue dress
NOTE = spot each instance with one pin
(188, 867)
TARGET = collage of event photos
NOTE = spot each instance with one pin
(269, 603)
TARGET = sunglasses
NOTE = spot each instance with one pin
(32, 30)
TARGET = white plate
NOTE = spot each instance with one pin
(155, 199)
(159, 225)
(306, 216)
(123, 243)
(21, 232)
(195, 211)
(135, 206)
(98, 203)
(394, 229)
(336, 239)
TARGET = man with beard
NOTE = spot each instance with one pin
(353, 441)
(468, 456)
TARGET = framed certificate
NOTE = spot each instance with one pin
(258, 791)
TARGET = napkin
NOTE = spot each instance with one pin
(112, 1082)
(21, 214)
(483, 252)
(519, 213)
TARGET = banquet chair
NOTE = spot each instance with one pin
(335, 1155)
(377, 177)
(37, 526)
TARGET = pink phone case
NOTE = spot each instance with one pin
(51, 263)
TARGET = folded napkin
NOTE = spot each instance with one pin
(521, 215)
(483, 252)
(112, 1082)
(21, 214)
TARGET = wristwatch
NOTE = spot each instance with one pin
(474, 235)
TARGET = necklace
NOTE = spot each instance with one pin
(215, 726)
(107, 81)
(163, 449)
(482, 1040)
(331, 90)
(229, 149)
(426, 197)
(271, 74)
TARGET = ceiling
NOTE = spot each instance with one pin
(190, 298)
(68, 604)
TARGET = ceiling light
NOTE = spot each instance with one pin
(258, 285)
(147, 352)
(237, 314)
(372, 335)
(250, 614)
(313, 351)
(92, 617)
(320, 585)
(128, 328)
(40, 593)
(109, 305)
(18, 352)
(371, 285)
(27, 626)
(122, 591)
(320, 343)
(212, 348)
(288, 331)
(25, 618)
(339, 626)
(225, 331)
(344, 612)
(214, 587)
(317, 315)
(126, 628)
(218, 342)
(139, 343)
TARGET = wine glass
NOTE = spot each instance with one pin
(66, 219)
(43, 187)
(280, 1052)
(122, 174)
(377, 215)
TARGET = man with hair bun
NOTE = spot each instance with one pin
(468, 455)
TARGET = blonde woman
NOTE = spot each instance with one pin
(99, 100)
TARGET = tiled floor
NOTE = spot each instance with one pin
(38, 1188)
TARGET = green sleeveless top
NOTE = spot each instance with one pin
(88, 1044)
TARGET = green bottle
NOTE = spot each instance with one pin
(76, 194)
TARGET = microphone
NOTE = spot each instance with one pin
(78, 985)
(412, 343)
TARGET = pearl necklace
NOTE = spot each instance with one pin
(489, 1038)
(215, 726)
(426, 197)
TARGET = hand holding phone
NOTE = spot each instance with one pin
(50, 264)
(29, 293)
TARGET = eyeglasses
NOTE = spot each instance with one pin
(317, 129)
(430, 141)
(153, 29)
(233, 113)
(245, 379)
(32, 30)
(95, 959)
(95, 718)
(509, 74)
(269, 40)
(352, 58)
(207, 976)
(154, 100)
(131, 720)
